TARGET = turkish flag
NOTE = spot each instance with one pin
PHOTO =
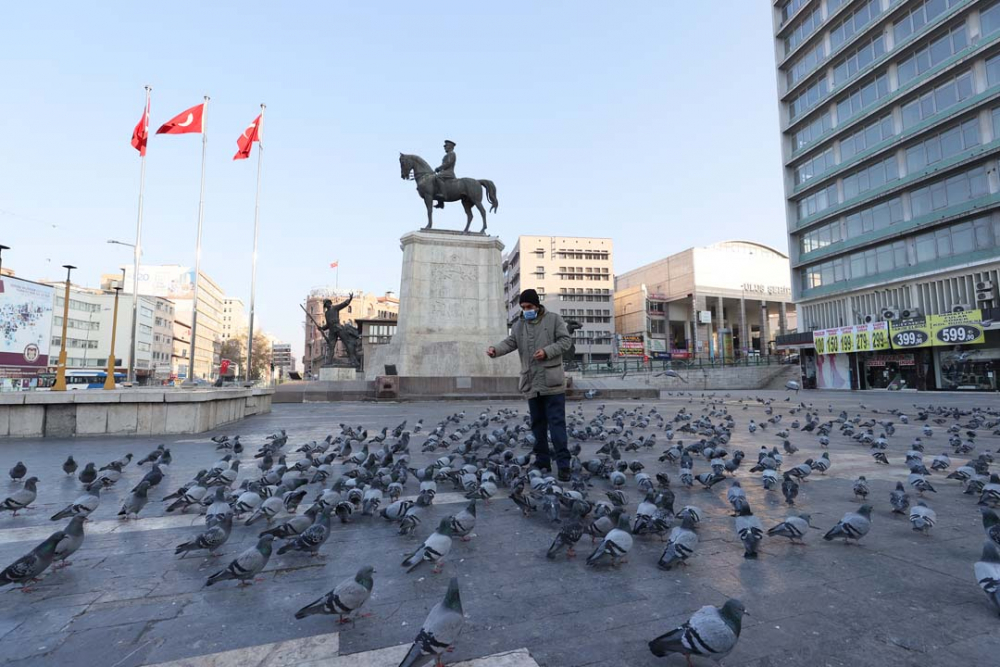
(245, 142)
(186, 122)
(141, 133)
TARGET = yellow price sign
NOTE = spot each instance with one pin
(819, 341)
(846, 335)
(963, 328)
(878, 336)
(910, 333)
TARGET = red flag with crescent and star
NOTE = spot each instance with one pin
(186, 122)
(141, 133)
(245, 141)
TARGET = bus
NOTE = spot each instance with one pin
(80, 379)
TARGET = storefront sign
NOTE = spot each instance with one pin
(871, 337)
(631, 345)
(910, 333)
(820, 338)
(883, 359)
(766, 289)
(846, 336)
(963, 328)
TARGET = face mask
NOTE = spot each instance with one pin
(530, 314)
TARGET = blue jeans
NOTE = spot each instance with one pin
(548, 418)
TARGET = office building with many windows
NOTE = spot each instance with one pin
(890, 134)
(574, 277)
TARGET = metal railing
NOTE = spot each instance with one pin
(621, 366)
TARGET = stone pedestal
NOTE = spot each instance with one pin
(337, 373)
(451, 308)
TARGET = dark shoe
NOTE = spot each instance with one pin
(564, 475)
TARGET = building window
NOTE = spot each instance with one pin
(806, 64)
(818, 201)
(875, 217)
(859, 58)
(855, 22)
(806, 27)
(920, 17)
(812, 131)
(990, 19)
(869, 178)
(945, 144)
(866, 137)
(933, 53)
(944, 96)
(789, 8)
(146, 312)
(808, 98)
(949, 192)
(821, 237)
(814, 167)
(863, 97)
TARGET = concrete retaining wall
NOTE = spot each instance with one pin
(126, 412)
(698, 379)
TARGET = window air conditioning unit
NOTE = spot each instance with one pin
(873, 317)
(910, 312)
(961, 307)
(984, 296)
(984, 286)
(888, 314)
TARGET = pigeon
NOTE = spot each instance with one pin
(69, 466)
(347, 597)
(568, 535)
(861, 488)
(434, 548)
(82, 506)
(987, 573)
(793, 527)
(21, 498)
(920, 483)
(853, 526)
(463, 522)
(822, 464)
(899, 499)
(680, 545)
(135, 503)
(294, 526)
(88, 474)
(711, 631)
(211, 539)
(71, 541)
(27, 568)
(312, 538)
(220, 510)
(247, 565)
(990, 494)
(922, 517)
(750, 531)
(991, 524)
(615, 545)
(439, 631)
(266, 510)
(18, 471)
(737, 497)
(789, 489)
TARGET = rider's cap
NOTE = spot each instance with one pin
(449, 141)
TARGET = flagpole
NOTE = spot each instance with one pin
(197, 251)
(256, 227)
(137, 249)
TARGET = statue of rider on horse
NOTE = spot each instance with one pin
(441, 185)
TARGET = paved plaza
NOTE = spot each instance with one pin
(900, 598)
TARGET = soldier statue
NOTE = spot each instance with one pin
(333, 327)
(446, 172)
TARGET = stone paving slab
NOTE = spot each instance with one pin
(899, 598)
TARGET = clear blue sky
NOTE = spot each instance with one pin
(654, 123)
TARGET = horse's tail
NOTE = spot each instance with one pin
(491, 193)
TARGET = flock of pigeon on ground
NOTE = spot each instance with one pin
(356, 472)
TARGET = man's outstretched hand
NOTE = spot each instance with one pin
(491, 352)
(539, 355)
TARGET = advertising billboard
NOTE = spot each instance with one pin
(25, 327)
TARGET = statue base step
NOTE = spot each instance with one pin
(337, 373)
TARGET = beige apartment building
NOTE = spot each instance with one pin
(234, 318)
(574, 276)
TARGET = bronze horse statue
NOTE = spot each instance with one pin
(467, 190)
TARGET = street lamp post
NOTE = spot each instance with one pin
(60, 384)
(109, 381)
(136, 252)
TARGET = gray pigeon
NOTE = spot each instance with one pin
(27, 568)
(82, 506)
(294, 526)
(434, 548)
(750, 531)
(615, 545)
(710, 631)
(987, 573)
(312, 538)
(853, 526)
(899, 499)
(463, 522)
(793, 527)
(18, 471)
(568, 535)
(220, 510)
(681, 543)
(21, 498)
(922, 517)
(440, 630)
(72, 540)
(212, 538)
(135, 503)
(347, 597)
(247, 565)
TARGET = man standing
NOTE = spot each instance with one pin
(446, 172)
(541, 338)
